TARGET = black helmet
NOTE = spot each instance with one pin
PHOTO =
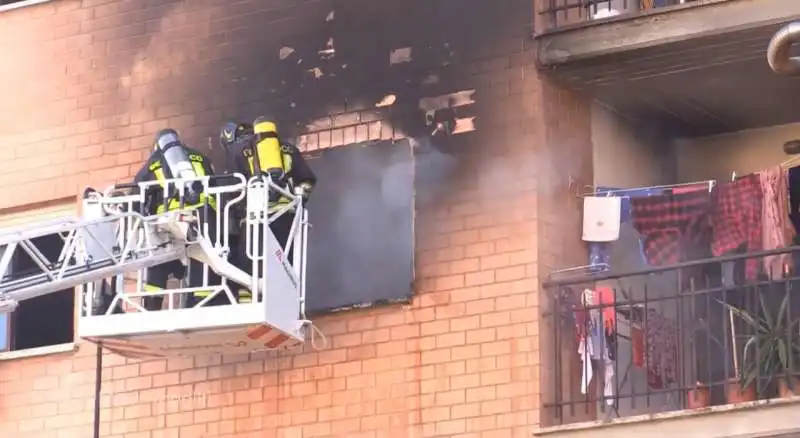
(232, 131)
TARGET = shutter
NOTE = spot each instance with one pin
(31, 217)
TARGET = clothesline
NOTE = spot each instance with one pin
(684, 221)
(711, 183)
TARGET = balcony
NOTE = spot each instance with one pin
(691, 348)
(695, 67)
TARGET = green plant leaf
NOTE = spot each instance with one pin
(765, 309)
(783, 355)
(754, 322)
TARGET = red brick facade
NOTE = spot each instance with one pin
(92, 80)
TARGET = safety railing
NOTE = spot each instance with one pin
(685, 336)
(555, 14)
(148, 234)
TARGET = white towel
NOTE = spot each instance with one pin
(601, 218)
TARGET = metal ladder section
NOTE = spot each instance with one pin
(88, 254)
(111, 239)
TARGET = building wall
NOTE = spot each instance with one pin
(629, 155)
(716, 157)
(94, 79)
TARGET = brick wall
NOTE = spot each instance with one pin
(93, 80)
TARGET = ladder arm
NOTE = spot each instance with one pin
(92, 251)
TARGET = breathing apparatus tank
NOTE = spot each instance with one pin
(176, 164)
(267, 156)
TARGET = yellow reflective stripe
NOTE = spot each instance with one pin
(287, 163)
(159, 174)
(198, 168)
(175, 204)
(202, 293)
(251, 164)
(151, 288)
(281, 203)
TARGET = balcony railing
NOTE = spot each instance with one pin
(556, 14)
(686, 336)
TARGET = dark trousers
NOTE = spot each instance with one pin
(281, 228)
(157, 276)
(104, 293)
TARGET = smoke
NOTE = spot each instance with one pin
(362, 214)
(435, 171)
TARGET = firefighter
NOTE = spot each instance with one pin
(257, 149)
(170, 159)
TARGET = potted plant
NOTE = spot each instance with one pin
(770, 350)
(699, 396)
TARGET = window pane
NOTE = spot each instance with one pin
(3, 332)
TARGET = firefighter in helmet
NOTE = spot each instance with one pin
(172, 159)
(257, 149)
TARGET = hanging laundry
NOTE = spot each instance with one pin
(597, 344)
(607, 299)
(777, 231)
(794, 197)
(661, 350)
(601, 222)
(736, 220)
(603, 252)
(672, 224)
(637, 345)
(601, 218)
(599, 256)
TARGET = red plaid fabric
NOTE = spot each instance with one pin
(736, 220)
(671, 224)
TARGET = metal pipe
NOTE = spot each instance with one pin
(778, 50)
(98, 391)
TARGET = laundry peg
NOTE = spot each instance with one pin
(710, 186)
(733, 176)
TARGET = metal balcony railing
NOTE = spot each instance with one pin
(555, 14)
(686, 336)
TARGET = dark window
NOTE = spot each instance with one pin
(8, 2)
(46, 320)
(361, 243)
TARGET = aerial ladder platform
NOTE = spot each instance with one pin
(108, 250)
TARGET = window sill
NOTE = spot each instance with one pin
(22, 4)
(758, 418)
(40, 351)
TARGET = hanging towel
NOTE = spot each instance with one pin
(607, 300)
(601, 218)
(736, 220)
(672, 224)
(661, 350)
(596, 344)
(777, 230)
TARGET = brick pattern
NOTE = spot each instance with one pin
(464, 359)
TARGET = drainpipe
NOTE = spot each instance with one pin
(98, 382)
(778, 50)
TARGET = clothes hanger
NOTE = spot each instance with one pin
(594, 191)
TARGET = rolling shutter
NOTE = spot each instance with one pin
(50, 212)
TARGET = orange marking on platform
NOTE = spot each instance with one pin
(277, 341)
(258, 332)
